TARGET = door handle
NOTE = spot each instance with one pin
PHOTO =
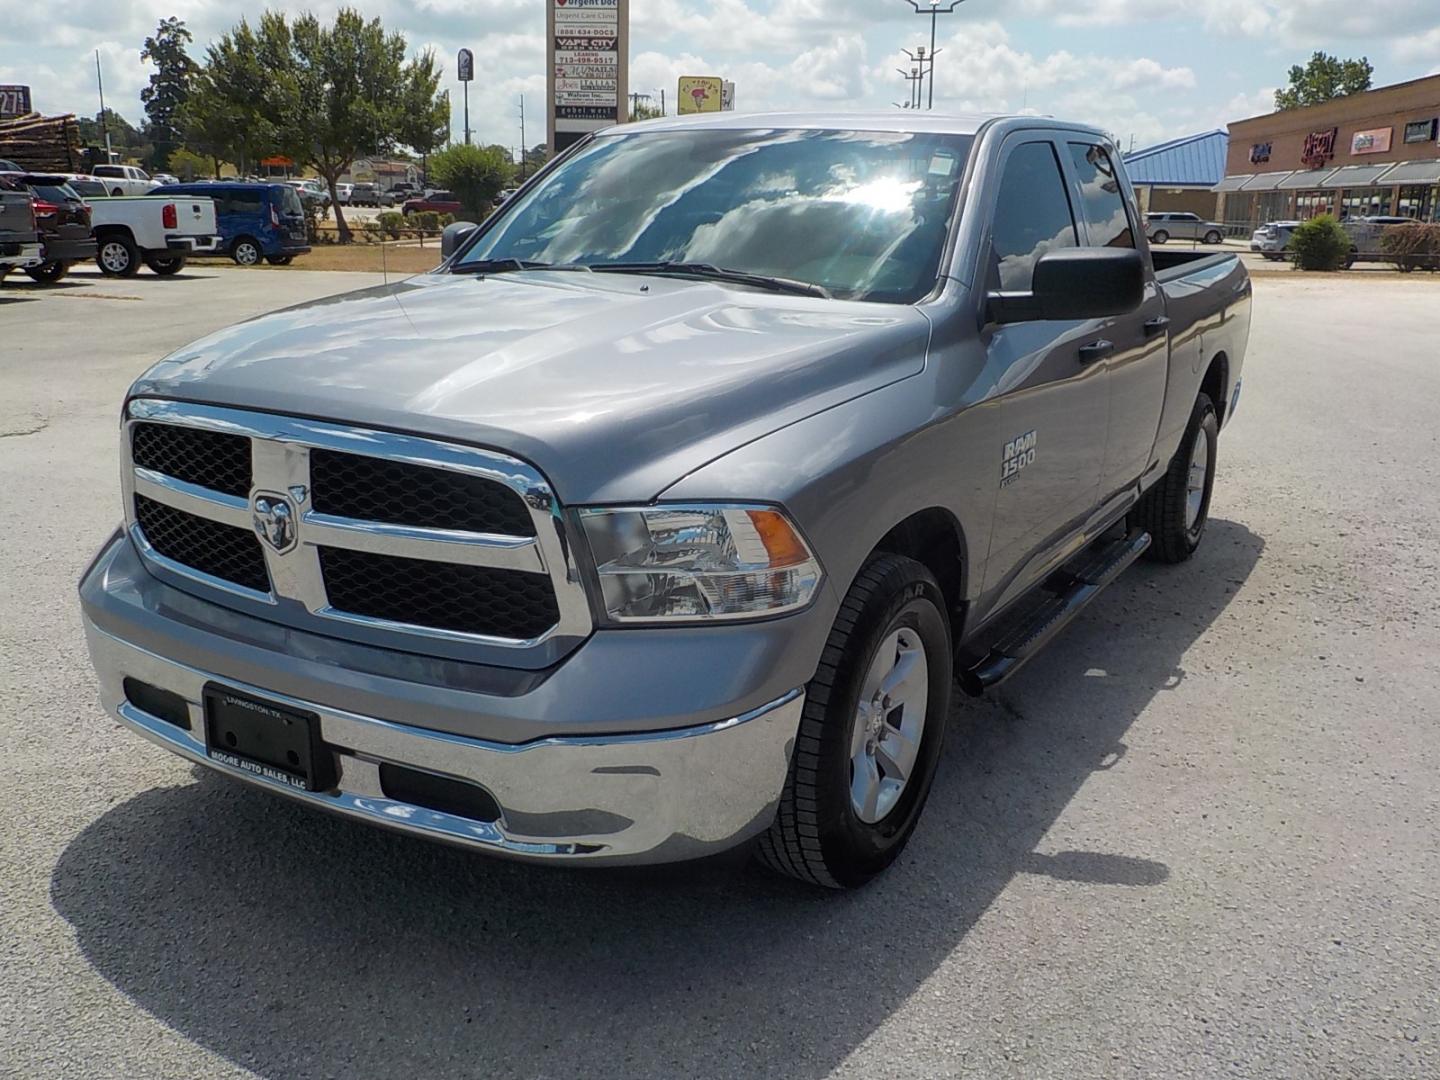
(1096, 350)
(1157, 325)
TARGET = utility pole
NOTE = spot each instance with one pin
(933, 9)
(914, 77)
(918, 58)
(522, 138)
(104, 124)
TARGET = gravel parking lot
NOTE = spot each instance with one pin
(1195, 838)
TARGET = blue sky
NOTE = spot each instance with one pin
(1143, 70)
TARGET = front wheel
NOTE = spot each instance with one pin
(1175, 510)
(1160, 237)
(165, 265)
(871, 731)
(50, 272)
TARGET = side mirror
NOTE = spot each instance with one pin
(455, 234)
(1075, 283)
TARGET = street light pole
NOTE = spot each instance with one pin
(934, 10)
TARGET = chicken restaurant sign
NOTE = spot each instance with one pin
(587, 77)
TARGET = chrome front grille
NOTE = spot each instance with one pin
(356, 529)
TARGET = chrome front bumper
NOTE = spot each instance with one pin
(660, 796)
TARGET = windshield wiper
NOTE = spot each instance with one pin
(714, 273)
(501, 266)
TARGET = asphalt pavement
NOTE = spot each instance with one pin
(1195, 838)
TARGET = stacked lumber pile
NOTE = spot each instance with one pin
(42, 143)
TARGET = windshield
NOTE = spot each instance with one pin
(861, 214)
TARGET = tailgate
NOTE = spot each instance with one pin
(15, 216)
(196, 216)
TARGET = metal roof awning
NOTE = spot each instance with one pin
(1413, 172)
(1232, 183)
(1266, 181)
(1357, 176)
(1310, 178)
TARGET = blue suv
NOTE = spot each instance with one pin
(256, 221)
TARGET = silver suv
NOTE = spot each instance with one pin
(1160, 228)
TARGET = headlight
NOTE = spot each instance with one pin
(682, 563)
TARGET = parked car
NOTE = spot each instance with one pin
(504, 196)
(163, 178)
(440, 202)
(256, 221)
(63, 219)
(404, 190)
(643, 563)
(125, 179)
(1273, 239)
(1366, 238)
(311, 191)
(19, 234)
(368, 194)
(6, 165)
(343, 192)
(158, 233)
(86, 186)
(1161, 228)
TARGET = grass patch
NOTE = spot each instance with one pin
(367, 258)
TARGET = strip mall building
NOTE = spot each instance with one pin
(1371, 153)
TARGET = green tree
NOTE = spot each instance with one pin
(188, 165)
(222, 117)
(331, 94)
(1323, 79)
(476, 174)
(169, 86)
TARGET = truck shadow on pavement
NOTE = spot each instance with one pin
(295, 944)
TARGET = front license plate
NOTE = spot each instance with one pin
(266, 739)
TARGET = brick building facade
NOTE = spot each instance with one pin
(1371, 153)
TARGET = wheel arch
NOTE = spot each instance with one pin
(1216, 383)
(933, 536)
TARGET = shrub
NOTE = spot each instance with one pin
(1320, 244)
(476, 174)
(1411, 247)
(391, 223)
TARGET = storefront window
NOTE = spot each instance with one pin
(1419, 201)
(1364, 202)
(1271, 206)
(1310, 204)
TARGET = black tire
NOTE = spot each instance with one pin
(117, 192)
(117, 256)
(50, 272)
(165, 265)
(4, 273)
(279, 260)
(817, 835)
(1161, 511)
(1160, 237)
(246, 251)
(1212, 237)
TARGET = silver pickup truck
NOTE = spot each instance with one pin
(663, 516)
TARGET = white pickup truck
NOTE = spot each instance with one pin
(159, 231)
(125, 179)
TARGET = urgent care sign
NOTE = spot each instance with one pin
(587, 77)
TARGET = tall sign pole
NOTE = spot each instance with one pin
(934, 10)
(587, 77)
(466, 65)
(104, 125)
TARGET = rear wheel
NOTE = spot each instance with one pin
(50, 272)
(117, 256)
(1175, 510)
(246, 252)
(1212, 237)
(871, 732)
(1160, 237)
(165, 265)
(117, 192)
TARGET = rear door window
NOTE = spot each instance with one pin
(1032, 216)
(290, 201)
(1102, 203)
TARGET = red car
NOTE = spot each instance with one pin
(441, 202)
